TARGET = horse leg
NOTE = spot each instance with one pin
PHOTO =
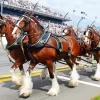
(54, 90)
(44, 72)
(16, 79)
(97, 73)
(27, 85)
(22, 70)
(74, 76)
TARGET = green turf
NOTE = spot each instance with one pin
(96, 98)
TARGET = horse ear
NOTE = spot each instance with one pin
(28, 13)
(70, 26)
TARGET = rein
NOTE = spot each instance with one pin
(3, 44)
(5, 49)
(21, 44)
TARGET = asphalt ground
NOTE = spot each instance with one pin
(82, 92)
(86, 89)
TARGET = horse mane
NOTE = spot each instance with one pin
(91, 28)
(74, 32)
(12, 23)
(71, 27)
(37, 22)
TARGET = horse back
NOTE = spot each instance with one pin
(68, 43)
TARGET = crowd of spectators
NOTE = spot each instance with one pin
(54, 28)
(30, 6)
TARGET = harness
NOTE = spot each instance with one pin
(83, 48)
(15, 44)
(98, 45)
(40, 43)
(59, 43)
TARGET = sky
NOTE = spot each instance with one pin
(90, 7)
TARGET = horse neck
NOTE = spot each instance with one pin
(73, 34)
(8, 34)
(34, 33)
(96, 39)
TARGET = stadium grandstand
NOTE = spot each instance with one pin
(13, 9)
(16, 8)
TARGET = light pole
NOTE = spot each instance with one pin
(73, 16)
(83, 13)
(2, 3)
(65, 17)
(93, 21)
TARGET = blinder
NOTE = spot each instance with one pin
(27, 20)
(1, 26)
(84, 33)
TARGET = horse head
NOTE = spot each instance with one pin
(2, 24)
(28, 23)
(69, 31)
(91, 37)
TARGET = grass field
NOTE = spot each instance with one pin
(96, 98)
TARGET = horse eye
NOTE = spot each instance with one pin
(84, 33)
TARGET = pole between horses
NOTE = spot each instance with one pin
(79, 23)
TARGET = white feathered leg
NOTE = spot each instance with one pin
(97, 73)
(55, 89)
(74, 77)
(27, 86)
(17, 80)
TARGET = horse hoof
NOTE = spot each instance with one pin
(73, 84)
(43, 77)
(53, 92)
(18, 86)
(95, 78)
(24, 95)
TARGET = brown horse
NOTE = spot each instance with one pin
(15, 51)
(70, 31)
(49, 50)
(93, 39)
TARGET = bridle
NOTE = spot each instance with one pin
(92, 36)
(27, 20)
(2, 24)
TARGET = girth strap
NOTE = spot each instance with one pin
(59, 43)
(68, 44)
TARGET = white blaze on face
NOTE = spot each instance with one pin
(86, 37)
(65, 31)
(15, 29)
